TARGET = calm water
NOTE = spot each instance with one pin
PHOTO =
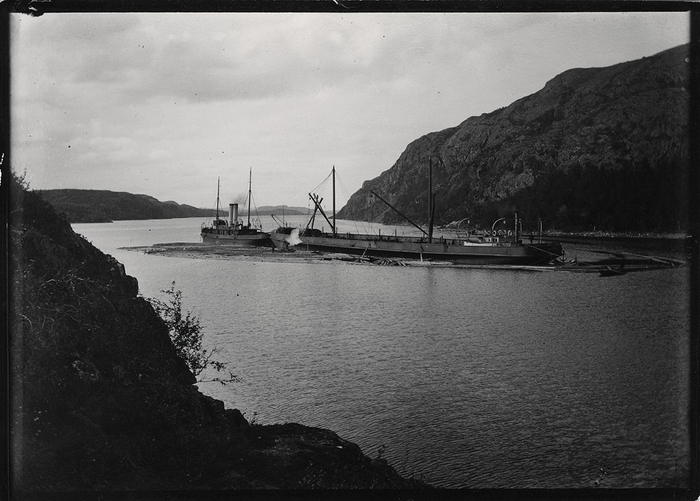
(462, 377)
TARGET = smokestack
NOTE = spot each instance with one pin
(232, 214)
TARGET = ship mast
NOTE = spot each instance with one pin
(431, 205)
(218, 182)
(334, 230)
(317, 204)
(250, 190)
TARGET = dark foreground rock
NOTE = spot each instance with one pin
(100, 401)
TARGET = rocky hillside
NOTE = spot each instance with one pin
(101, 402)
(101, 206)
(597, 148)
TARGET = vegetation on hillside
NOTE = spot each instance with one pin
(102, 400)
(597, 148)
(187, 337)
(101, 206)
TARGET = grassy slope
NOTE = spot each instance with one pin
(100, 401)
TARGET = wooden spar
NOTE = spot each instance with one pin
(250, 189)
(218, 182)
(310, 224)
(398, 212)
(430, 199)
(333, 225)
(317, 203)
(432, 219)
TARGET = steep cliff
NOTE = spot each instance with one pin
(100, 400)
(604, 148)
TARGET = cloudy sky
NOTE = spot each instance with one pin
(165, 104)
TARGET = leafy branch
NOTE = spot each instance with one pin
(186, 334)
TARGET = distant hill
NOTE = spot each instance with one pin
(103, 400)
(596, 148)
(100, 206)
(277, 210)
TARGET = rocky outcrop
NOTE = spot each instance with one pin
(100, 400)
(604, 148)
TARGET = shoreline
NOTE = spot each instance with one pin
(106, 403)
(620, 254)
(616, 235)
(549, 233)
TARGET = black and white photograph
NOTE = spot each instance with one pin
(349, 252)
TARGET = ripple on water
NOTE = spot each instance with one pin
(465, 377)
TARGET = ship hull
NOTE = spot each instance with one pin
(224, 237)
(441, 249)
(281, 238)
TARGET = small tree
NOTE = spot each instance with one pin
(186, 335)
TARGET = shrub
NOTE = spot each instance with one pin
(186, 335)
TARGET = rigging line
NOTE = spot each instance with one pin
(341, 185)
(344, 192)
(255, 206)
(360, 226)
(369, 227)
(322, 183)
(252, 199)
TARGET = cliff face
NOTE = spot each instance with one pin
(600, 147)
(101, 401)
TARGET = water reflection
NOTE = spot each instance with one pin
(468, 377)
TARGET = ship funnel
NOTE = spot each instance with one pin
(232, 214)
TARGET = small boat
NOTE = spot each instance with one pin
(495, 247)
(233, 231)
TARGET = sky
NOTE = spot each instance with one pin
(165, 104)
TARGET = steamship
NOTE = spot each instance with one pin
(233, 231)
